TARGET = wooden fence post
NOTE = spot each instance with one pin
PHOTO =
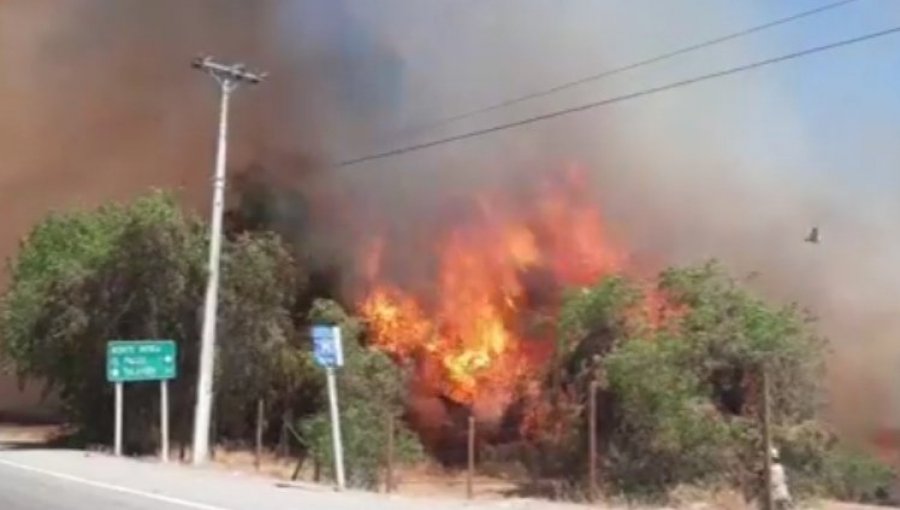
(592, 442)
(768, 502)
(470, 473)
(260, 423)
(389, 454)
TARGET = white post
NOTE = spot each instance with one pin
(228, 77)
(118, 424)
(164, 420)
(335, 428)
(203, 407)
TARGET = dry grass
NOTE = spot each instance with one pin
(696, 498)
(30, 434)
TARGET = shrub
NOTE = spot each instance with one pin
(370, 389)
(683, 395)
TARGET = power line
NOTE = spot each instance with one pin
(624, 97)
(629, 67)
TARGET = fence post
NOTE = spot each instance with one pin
(260, 420)
(592, 442)
(389, 454)
(184, 433)
(283, 440)
(470, 473)
(768, 502)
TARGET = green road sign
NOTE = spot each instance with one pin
(140, 360)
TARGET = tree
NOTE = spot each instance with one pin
(682, 396)
(371, 389)
(732, 333)
(259, 349)
(84, 278)
(138, 271)
(593, 322)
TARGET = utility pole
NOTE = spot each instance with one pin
(229, 77)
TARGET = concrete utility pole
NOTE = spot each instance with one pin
(229, 78)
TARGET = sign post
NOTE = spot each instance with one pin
(164, 420)
(328, 353)
(119, 398)
(136, 361)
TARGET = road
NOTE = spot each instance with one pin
(40, 479)
(75, 480)
(36, 479)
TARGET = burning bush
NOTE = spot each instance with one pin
(471, 324)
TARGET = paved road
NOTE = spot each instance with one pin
(75, 480)
(38, 479)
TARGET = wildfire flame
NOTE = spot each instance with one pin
(469, 334)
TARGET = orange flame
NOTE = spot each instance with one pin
(470, 329)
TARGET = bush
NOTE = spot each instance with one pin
(818, 465)
(667, 432)
(681, 397)
(852, 475)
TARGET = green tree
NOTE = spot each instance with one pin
(680, 399)
(138, 271)
(371, 388)
(732, 332)
(259, 349)
(592, 322)
(87, 277)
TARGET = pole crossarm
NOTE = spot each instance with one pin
(228, 75)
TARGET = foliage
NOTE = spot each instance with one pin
(258, 346)
(592, 322)
(679, 400)
(138, 271)
(731, 333)
(667, 432)
(821, 466)
(852, 475)
(84, 278)
(370, 390)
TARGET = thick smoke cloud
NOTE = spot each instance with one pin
(98, 103)
(98, 100)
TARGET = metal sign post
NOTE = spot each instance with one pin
(328, 352)
(164, 420)
(118, 424)
(142, 360)
(335, 428)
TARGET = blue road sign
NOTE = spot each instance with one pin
(327, 348)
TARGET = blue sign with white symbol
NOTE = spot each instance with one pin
(327, 349)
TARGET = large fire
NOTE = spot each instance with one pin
(469, 334)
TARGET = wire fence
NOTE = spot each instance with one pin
(494, 461)
(467, 463)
